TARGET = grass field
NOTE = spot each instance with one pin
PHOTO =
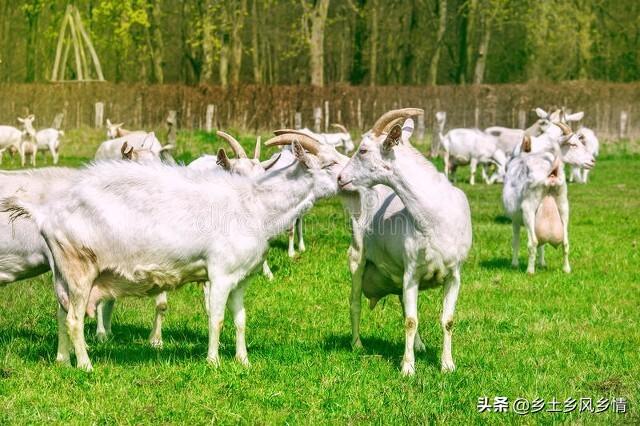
(550, 335)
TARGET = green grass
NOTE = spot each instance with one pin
(548, 335)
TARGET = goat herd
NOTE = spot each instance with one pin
(135, 223)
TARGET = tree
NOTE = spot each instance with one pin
(442, 26)
(315, 16)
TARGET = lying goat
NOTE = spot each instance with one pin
(165, 226)
(535, 193)
(413, 239)
(473, 147)
(112, 149)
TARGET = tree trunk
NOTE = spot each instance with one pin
(236, 41)
(157, 43)
(224, 61)
(316, 41)
(32, 43)
(373, 56)
(481, 62)
(442, 26)
(255, 44)
(208, 42)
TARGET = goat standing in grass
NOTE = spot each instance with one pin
(535, 192)
(415, 238)
(473, 147)
(162, 226)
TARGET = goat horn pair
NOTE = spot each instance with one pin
(235, 145)
(390, 117)
(287, 137)
(340, 127)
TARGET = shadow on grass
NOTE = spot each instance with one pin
(500, 263)
(374, 346)
(501, 219)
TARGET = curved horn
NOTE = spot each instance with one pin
(391, 116)
(296, 132)
(256, 151)
(307, 142)
(267, 164)
(340, 127)
(235, 145)
(566, 130)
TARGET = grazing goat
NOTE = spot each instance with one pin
(535, 192)
(473, 147)
(164, 226)
(341, 139)
(509, 139)
(413, 239)
(49, 139)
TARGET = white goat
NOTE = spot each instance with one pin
(241, 165)
(164, 226)
(115, 131)
(473, 147)
(341, 139)
(509, 139)
(535, 192)
(49, 140)
(588, 138)
(15, 140)
(406, 246)
(139, 141)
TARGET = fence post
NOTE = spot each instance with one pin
(297, 121)
(476, 116)
(359, 114)
(99, 114)
(420, 129)
(171, 125)
(522, 119)
(317, 119)
(209, 117)
(138, 114)
(57, 121)
(624, 117)
(188, 122)
(326, 116)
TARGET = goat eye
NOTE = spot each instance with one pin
(362, 151)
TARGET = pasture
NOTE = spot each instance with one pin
(550, 335)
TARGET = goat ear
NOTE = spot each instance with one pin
(21, 120)
(223, 160)
(407, 130)
(526, 143)
(31, 117)
(126, 155)
(541, 113)
(393, 138)
(108, 123)
(576, 116)
(300, 154)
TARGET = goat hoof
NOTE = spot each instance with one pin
(156, 343)
(356, 345)
(214, 361)
(448, 366)
(243, 360)
(85, 366)
(102, 337)
(566, 269)
(63, 360)
(408, 369)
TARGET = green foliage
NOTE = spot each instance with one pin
(542, 336)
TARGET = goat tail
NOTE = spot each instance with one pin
(17, 208)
